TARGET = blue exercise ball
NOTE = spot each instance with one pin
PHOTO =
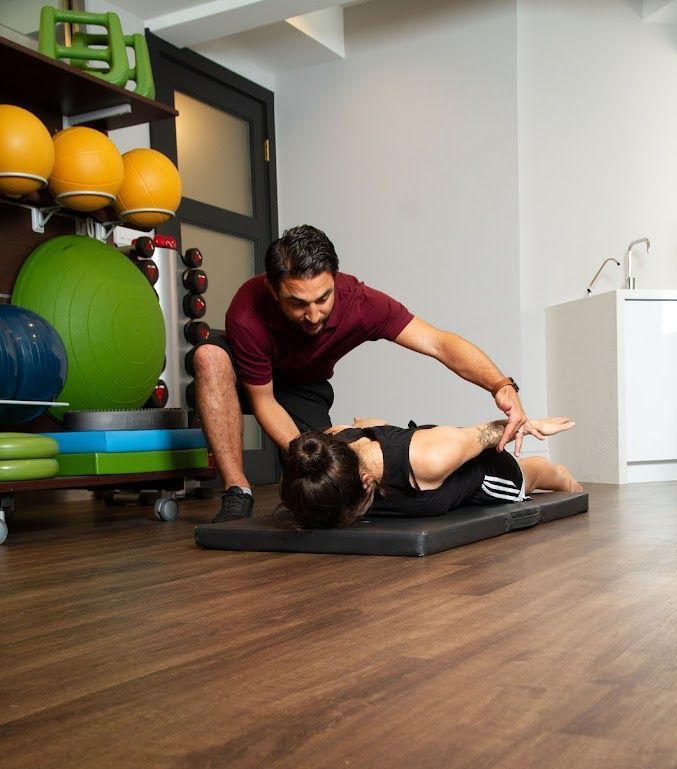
(9, 364)
(36, 362)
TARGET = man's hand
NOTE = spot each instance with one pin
(518, 425)
(368, 422)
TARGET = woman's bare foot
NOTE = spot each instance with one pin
(568, 481)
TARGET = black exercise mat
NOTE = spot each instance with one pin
(381, 535)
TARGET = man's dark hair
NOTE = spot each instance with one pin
(321, 485)
(301, 252)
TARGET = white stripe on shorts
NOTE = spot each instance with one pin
(514, 497)
(502, 481)
(498, 491)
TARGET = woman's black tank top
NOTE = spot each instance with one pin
(396, 495)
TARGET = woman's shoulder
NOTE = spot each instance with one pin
(434, 454)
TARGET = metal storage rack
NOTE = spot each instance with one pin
(63, 95)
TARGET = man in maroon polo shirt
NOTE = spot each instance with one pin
(285, 331)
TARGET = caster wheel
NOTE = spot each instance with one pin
(3, 531)
(7, 506)
(166, 509)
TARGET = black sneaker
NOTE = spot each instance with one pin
(235, 503)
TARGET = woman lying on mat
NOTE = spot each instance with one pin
(332, 479)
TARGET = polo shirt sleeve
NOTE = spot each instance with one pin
(251, 352)
(385, 317)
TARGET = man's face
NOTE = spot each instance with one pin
(307, 302)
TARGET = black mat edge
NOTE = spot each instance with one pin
(396, 535)
(130, 419)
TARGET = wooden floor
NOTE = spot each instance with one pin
(125, 646)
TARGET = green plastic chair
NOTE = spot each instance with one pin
(110, 48)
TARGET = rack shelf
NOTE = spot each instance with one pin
(53, 89)
(167, 479)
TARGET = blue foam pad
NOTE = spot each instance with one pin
(112, 441)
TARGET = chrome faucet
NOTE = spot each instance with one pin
(631, 282)
(588, 290)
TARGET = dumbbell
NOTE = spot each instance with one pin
(194, 306)
(192, 257)
(195, 280)
(196, 331)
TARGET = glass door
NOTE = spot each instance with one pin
(221, 143)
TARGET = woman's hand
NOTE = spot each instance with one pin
(552, 425)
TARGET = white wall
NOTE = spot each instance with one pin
(597, 157)
(479, 160)
(406, 155)
(415, 137)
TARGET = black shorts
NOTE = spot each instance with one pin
(308, 404)
(502, 478)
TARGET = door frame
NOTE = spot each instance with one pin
(259, 463)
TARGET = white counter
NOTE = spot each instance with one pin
(612, 366)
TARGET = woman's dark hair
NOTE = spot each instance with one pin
(321, 485)
(301, 252)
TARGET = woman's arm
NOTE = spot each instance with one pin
(436, 453)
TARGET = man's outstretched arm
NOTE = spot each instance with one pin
(469, 362)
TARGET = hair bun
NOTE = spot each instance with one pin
(309, 456)
(314, 457)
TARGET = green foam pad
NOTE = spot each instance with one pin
(111, 463)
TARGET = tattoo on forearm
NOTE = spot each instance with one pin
(490, 433)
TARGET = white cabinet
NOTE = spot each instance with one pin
(612, 366)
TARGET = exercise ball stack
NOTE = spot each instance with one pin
(33, 362)
(88, 169)
(26, 151)
(85, 171)
(107, 315)
(151, 189)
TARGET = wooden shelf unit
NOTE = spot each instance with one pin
(52, 89)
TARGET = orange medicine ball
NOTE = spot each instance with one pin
(151, 190)
(88, 169)
(26, 151)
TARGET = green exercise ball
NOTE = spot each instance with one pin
(107, 315)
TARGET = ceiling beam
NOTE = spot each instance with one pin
(220, 18)
(660, 10)
(325, 27)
